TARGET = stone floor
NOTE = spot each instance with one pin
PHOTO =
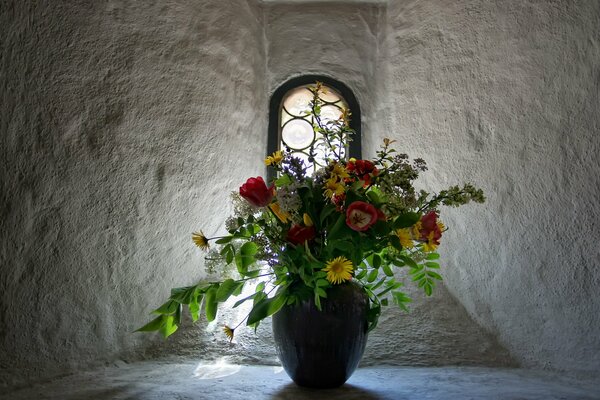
(186, 380)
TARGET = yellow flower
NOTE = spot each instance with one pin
(416, 230)
(441, 225)
(430, 244)
(229, 332)
(387, 142)
(405, 238)
(333, 186)
(338, 270)
(282, 215)
(274, 158)
(200, 240)
(307, 220)
(339, 171)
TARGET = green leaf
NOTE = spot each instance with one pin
(432, 265)
(320, 292)
(409, 261)
(395, 241)
(229, 257)
(283, 180)
(322, 282)
(400, 299)
(226, 289)
(168, 308)
(434, 275)
(361, 274)
(418, 276)
(325, 212)
(249, 249)
(194, 307)
(178, 315)
(433, 256)
(387, 270)
(376, 260)
(224, 240)
(318, 302)
(372, 275)
(251, 297)
(153, 325)
(339, 229)
(379, 283)
(265, 307)
(406, 220)
(373, 317)
(184, 295)
(169, 326)
(276, 303)
(211, 304)
(428, 288)
(374, 196)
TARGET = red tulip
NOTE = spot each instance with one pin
(298, 234)
(256, 192)
(361, 215)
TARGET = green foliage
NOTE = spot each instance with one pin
(362, 216)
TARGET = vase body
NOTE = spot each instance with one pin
(321, 349)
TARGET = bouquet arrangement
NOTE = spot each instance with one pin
(307, 231)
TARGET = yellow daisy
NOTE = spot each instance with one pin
(339, 171)
(332, 186)
(274, 158)
(339, 270)
(405, 238)
(228, 332)
(200, 240)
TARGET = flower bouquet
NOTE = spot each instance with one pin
(311, 229)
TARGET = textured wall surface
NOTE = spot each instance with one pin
(116, 122)
(507, 95)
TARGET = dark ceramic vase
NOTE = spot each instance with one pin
(321, 349)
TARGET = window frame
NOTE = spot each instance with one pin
(274, 139)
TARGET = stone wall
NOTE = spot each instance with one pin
(116, 122)
(507, 95)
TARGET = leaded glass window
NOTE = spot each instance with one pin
(296, 127)
(291, 126)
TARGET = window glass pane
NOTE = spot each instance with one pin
(296, 128)
(297, 102)
(297, 134)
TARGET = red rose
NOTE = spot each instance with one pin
(299, 234)
(256, 192)
(430, 229)
(361, 215)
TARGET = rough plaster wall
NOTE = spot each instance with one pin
(506, 95)
(341, 41)
(116, 121)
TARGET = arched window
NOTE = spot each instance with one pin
(290, 127)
